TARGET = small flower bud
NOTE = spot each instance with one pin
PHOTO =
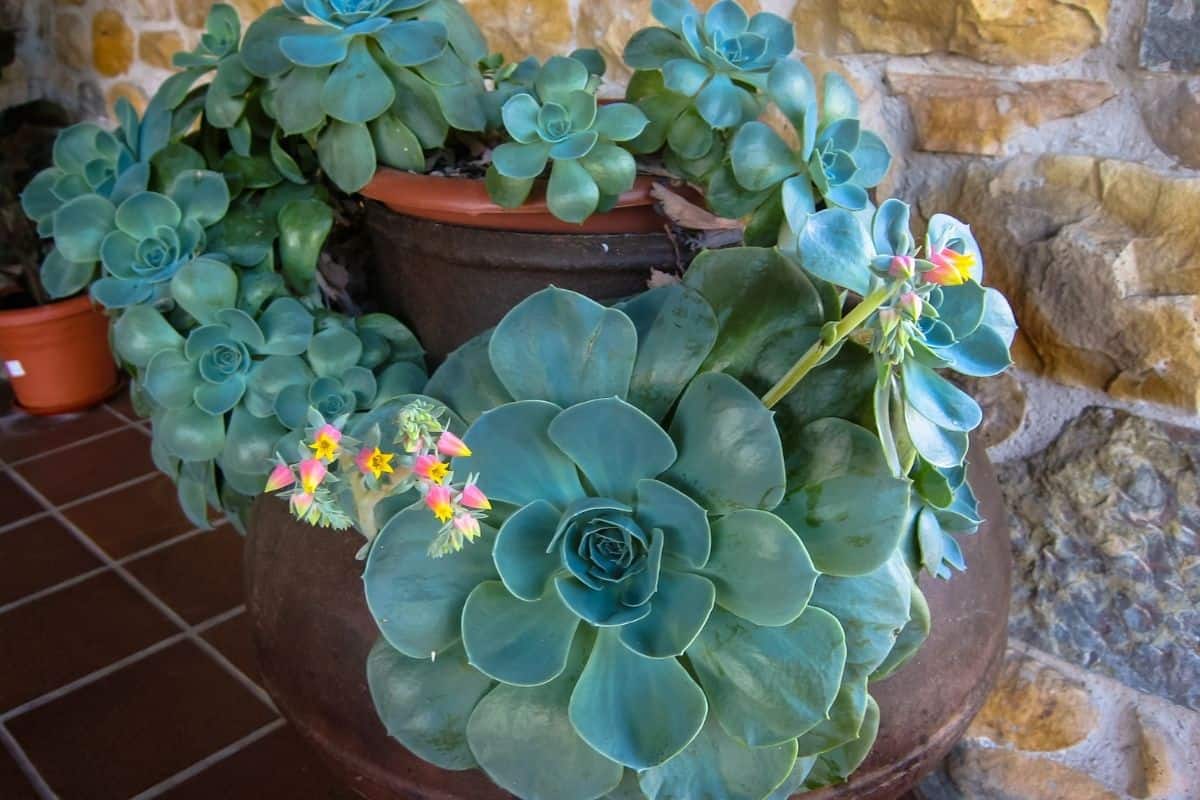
(280, 478)
(450, 445)
(902, 267)
(312, 472)
(911, 305)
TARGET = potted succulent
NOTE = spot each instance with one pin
(53, 340)
(680, 536)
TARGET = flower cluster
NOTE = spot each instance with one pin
(311, 484)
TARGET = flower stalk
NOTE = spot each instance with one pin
(831, 337)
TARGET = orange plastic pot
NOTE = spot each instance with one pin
(465, 201)
(57, 356)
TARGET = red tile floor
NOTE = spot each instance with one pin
(126, 667)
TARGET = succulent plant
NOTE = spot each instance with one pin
(146, 241)
(641, 568)
(372, 80)
(564, 125)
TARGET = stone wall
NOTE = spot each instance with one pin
(1068, 133)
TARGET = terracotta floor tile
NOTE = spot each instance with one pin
(23, 435)
(90, 467)
(138, 726)
(233, 638)
(123, 406)
(13, 783)
(39, 554)
(199, 577)
(15, 503)
(131, 519)
(279, 766)
(67, 634)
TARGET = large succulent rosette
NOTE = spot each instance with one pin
(675, 599)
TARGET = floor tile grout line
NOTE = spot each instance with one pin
(73, 443)
(22, 522)
(164, 609)
(208, 761)
(80, 578)
(119, 415)
(18, 753)
(92, 677)
(116, 487)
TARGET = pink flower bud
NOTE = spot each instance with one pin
(911, 304)
(280, 477)
(301, 504)
(450, 445)
(902, 267)
(473, 497)
(312, 472)
(431, 468)
(467, 525)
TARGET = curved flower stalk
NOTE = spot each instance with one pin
(701, 74)
(561, 123)
(640, 570)
(369, 81)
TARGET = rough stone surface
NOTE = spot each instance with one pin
(155, 48)
(1052, 731)
(1104, 526)
(1171, 36)
(1012, 32)
(112, 43)
(1172, 116)
(156, 10)
(1035, 707)
(1100, 260)
(193, 12)
(71, 41)
(955, 114)
(520, 28)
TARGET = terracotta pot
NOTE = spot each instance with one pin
(451, 264)
(313, 632)
(57, 356)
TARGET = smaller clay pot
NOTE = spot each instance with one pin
(57, 356)
(463, 201)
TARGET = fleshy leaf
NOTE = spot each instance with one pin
(517, 642)
(730, 455)
(466, 381)
(562, 347)
(513, 728)
(614, 445)
(609, 705)
(770, 685)
(425, 703)
(521, 547)
(681, 519)
(679, 609)
(416, 600)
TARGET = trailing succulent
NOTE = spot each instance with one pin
(647, 550)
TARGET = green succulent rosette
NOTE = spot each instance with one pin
(659, 538)
(561, 123)
(369, 82)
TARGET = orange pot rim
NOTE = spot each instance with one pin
(465, 201)
(59, 309)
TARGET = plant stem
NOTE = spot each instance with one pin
(820, 348)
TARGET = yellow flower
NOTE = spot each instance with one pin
(380, 462)
(325, 445)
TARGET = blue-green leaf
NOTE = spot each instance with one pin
(466, 381)
(609, 705)
(768, 685)
(515, 160)
(760, 158)
(517, 642)
(521, 550)
(730, 455)
(683, 522)
(572, 194)
(938, 400)
(562, 347)
(347, 154)
(678, 611)
(357, 90)
(80, 225)
(834, 247)
(425, 702)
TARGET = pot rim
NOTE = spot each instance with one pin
(465, 201)
(50, 312)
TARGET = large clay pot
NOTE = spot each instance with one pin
(451, 264)
(313, 632)
(57, 356)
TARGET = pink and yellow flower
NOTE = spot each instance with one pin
(950, 268)
(440, 502)
(301, 504)
(325, 443)
(431, 468)
(373, 461)
(281, 477)
(312, 472)
(450, 445)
